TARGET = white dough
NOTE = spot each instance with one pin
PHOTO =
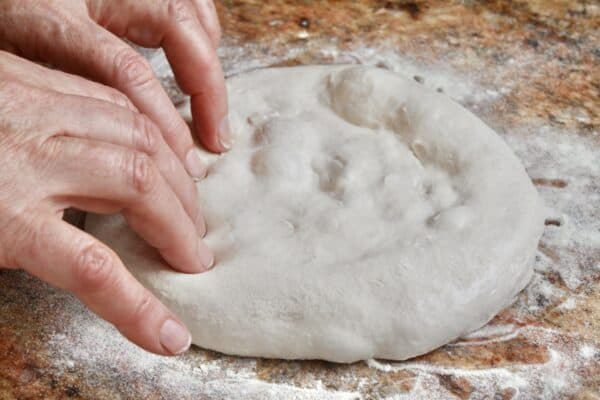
(359, 215)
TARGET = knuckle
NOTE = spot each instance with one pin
(145, 134)
(132, 69)
(180, 10)
(143, 173)
(141, 309)
(42, 151)
(94, 268)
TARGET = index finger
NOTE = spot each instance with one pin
(175, 26)
(199, 73)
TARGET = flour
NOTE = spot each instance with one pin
(553, 376)
(83, 343)
(568, 304)
(89, 345)
(576, 161)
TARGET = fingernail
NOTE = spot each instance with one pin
(175, 337)
(194, 165)
(206, 256)
(225, 133)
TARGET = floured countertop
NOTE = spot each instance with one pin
(531, 70)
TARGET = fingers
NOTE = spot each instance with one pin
(208, 17)
(100, 171)
(32, 74)
(198, 72)
(174, 25)
(118, 65)
(104, 122)
(66, 37)
(73, 260)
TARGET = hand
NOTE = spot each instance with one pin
(67, 142)
(82, 37)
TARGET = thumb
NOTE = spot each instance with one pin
(71, 259)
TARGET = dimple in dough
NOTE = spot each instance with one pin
(359, 215)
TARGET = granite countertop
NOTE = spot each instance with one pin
(531, 70)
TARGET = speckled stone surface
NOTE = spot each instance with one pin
(531, 70)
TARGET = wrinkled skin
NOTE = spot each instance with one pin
(98, 133)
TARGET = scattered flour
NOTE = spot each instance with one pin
(552, 379)
(568, 304)
(489, 334)
(88, 345)
(588, 352)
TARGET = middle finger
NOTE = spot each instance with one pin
(102, 171)
(102, 121)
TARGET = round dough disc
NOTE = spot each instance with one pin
(358, 215)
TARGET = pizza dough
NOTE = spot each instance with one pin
(359, 215)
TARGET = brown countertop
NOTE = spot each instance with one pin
(531, 70)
